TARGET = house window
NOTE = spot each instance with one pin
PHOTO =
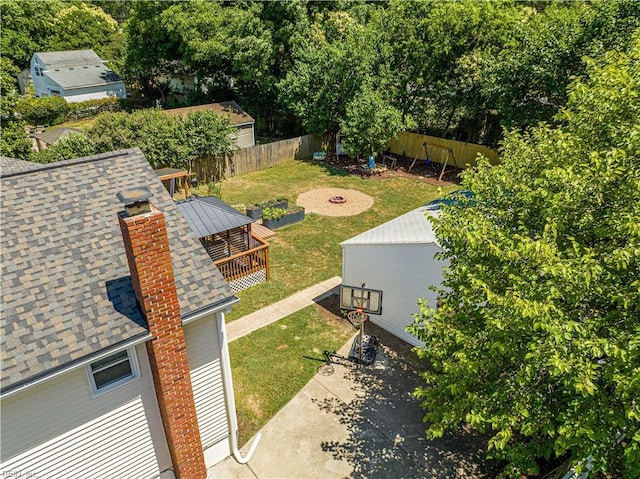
(112, 371)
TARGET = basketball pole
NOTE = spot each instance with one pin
(361, 348)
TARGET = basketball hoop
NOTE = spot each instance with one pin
(357, 317)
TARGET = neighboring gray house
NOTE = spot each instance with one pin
(76, 75)
(397, 258)
(114, 353)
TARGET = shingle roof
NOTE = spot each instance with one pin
(53, 135)
(237, 116)
(69, 58)
(209, 215)
(412, 227)
(82, 76)
(65, 286)
(12, 165)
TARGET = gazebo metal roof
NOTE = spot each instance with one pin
(209, 215)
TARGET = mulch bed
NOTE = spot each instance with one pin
(420, 170)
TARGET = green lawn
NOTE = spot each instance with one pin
(271, 365)
(306, 253)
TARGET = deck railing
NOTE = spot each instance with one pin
(247, 262)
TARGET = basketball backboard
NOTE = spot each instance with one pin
(368, 300)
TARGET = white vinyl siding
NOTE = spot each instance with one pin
(56, 430)
(245, 136)
(403, 272)
(206, 378)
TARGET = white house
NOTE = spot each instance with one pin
(396, 258)
(76, 75)
(114, 351)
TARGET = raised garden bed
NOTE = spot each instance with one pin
(255, 211)
(275, 219)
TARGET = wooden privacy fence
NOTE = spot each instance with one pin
(259, 157)
(413, 145)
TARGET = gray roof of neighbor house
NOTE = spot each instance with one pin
(69, 58)
(83, 76)
(77, 68)
(237, 116)
(209, 215)
(65, 286)
(50, 137)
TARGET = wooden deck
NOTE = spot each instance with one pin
(246, 263)
(262, 232)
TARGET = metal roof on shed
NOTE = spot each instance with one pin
(209, 215)
(409, 228)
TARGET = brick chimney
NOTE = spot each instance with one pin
(147, 247)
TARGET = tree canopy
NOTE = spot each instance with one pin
(536, 339)
(165, 140)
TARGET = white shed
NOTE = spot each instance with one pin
(397, 258)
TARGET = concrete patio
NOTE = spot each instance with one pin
(360, 422)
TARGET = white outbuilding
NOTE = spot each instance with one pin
(397, 258)
(75, 75)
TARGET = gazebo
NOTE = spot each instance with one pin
(241, 255)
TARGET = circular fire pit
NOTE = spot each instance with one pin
(337, 200)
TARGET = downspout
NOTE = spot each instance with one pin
(229, 398)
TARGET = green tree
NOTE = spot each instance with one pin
(151, 57)
(527, 80)
(14, 142)
(8, 88)
(81, 26)
(209, 135)
(440, 51)
(72, 146)
(47, 111)
(536, 340)
(26, 27)
(13, 139)
(165, 140)
(340, 63)
(160, 136)
(370, 121)
(229, 47)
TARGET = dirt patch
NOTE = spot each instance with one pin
(329, 309)
(318, 201)
(420, 170)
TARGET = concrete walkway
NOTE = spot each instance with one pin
(265, 316)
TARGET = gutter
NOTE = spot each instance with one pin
(229, 398)
(221, 306)
(70, 367)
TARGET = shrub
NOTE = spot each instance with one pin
(90, 108)
(42, 111)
